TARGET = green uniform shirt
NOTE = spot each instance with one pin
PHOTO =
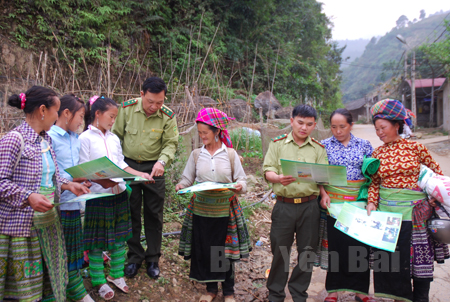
(143, 137)
(286, 148)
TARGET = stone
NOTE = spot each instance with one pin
(266, 99)
(284, 112)
(238, 108)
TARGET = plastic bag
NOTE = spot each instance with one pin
(437, 186)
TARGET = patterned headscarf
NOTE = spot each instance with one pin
(218, 119)
(389, 109)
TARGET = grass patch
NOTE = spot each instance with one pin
(249, 142)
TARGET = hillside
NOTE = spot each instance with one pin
(366, 72)
(353, 49)
(218, 46)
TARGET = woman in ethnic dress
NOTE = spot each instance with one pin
(33, 261)
(214, 218)
(394, 189)
(344, 149)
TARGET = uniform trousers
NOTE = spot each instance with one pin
(150, 198)
(289, 221)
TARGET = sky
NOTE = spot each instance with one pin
(356, 19)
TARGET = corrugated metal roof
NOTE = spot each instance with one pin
(423, 83)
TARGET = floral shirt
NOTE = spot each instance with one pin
(400, 166)
(351, 156)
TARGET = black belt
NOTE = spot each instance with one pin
(296, 200)
(141, 161)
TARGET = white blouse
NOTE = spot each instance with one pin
(213, 168)
(95, 144)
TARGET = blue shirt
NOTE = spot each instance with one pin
(351, 156)
(67, 149)
(48, 169)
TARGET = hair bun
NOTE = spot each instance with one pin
(14, 101)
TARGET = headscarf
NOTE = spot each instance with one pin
(216, 118)
(390, 110)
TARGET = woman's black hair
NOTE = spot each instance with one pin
(393, 123)
(212, 128)
(36, 96)
(72, 103)
(345, 113)
(102, 104)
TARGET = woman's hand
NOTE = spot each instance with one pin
(39, 203)
(370, 207)
(237, 188)
(76, 188)
(105, 183)
(178, 187)
(149, 177)
(146, 176)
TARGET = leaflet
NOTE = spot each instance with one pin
(101, 168)
(336, 207)
(84, 197)
(315, 173)
(380, 229)
(206, 186)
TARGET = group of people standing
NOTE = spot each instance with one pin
(42, 246)
(392, 188)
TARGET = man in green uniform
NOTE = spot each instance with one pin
(149, 135)
(296, 212)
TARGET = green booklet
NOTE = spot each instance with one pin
(315, 173)
(380, 229)
(206, 186)
(101, 168)
(84, 197)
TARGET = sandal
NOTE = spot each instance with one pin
(120, 283)
(87, 298)
(229, 299)
(207, 298)
(104, 290)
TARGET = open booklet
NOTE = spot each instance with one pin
(380, 229)
(315, 173)
(102, 168)
(206, 186)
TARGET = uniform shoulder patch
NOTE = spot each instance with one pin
(167, 111)
(129, 103)
(317, 142)
(280, 137)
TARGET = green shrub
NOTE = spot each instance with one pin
(240, 138)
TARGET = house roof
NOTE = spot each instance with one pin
(356, 104)
(423, 83)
